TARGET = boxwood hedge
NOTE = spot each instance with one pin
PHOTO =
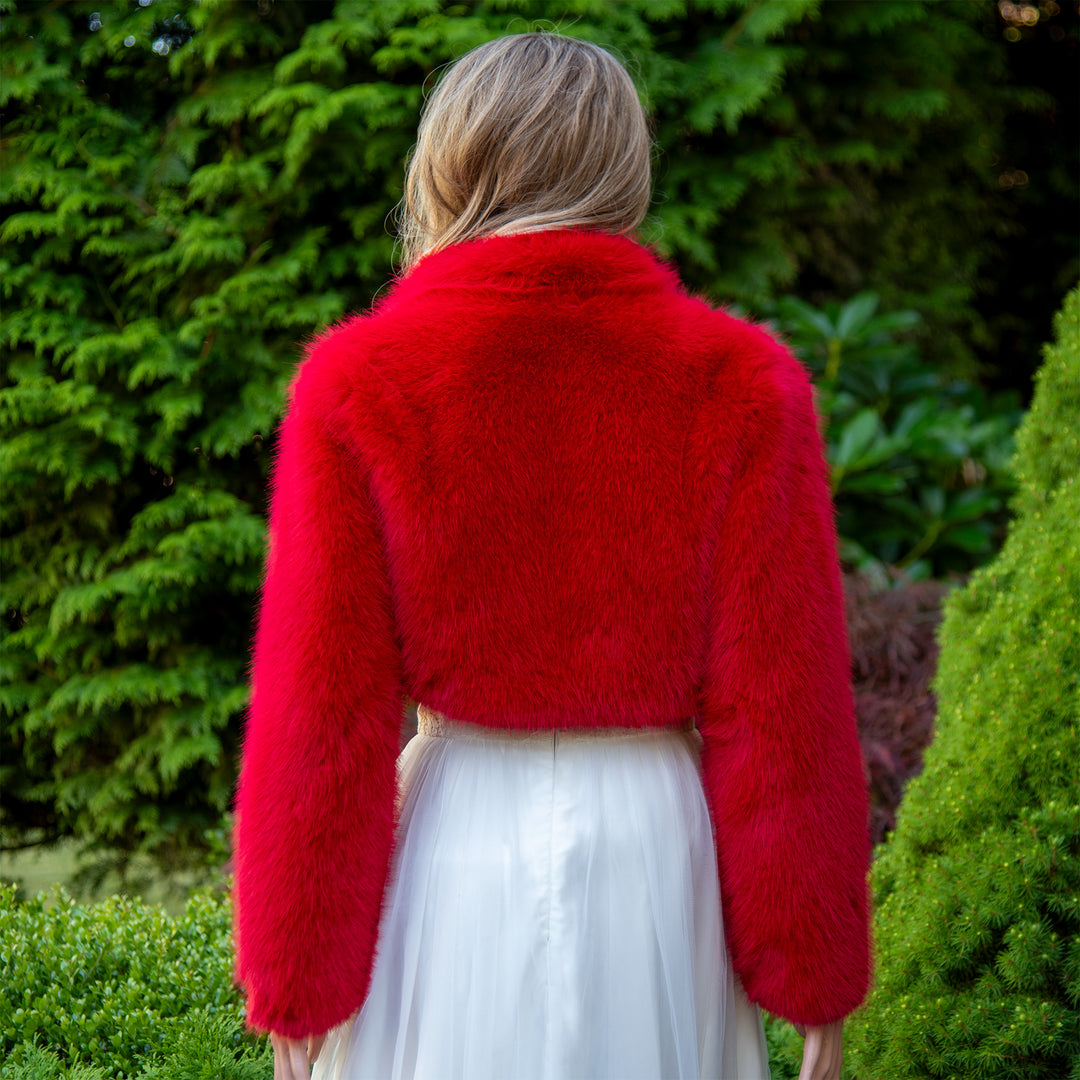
(121, 989)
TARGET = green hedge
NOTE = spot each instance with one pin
(978, 891)
(123, 990)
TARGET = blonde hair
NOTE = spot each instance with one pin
(531, 131)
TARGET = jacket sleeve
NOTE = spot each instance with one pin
(781, 758)
(315, 802)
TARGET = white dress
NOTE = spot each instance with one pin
(553, 913)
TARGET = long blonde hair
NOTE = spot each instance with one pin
(530, 131)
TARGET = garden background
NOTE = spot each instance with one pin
(190, 189)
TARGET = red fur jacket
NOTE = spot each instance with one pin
(541, 486)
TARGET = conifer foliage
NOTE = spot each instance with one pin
(978, 892)
(189, 189)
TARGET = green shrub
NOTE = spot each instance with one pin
(785, 1048)
(120, 989)
(978, 891)
(919, 461)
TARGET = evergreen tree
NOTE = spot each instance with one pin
(978, 891)
(866, 165)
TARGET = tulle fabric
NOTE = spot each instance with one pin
(553, 914)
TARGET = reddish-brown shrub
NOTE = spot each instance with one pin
(893, 657)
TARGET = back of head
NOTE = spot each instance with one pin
(531, 131)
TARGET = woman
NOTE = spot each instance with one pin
(575, 514)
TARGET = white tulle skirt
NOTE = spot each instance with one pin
(553, 914)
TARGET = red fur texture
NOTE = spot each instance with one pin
(541, 486)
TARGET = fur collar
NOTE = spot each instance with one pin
(580, 260)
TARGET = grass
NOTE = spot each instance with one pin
(38, 869)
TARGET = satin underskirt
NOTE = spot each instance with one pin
(553, 913)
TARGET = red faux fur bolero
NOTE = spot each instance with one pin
(540, 486)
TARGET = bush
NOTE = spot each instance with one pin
(978, 890)
(119, 989)
(918, 460)
(893, 657)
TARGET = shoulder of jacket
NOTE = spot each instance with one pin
(753, 366)
(331, 365)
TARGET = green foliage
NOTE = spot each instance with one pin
(907, 103)
(919, 462)
(978, 892)
(119, 989)
(30, 1062)
(189, 189)
(785, 1048)
(865, 166)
